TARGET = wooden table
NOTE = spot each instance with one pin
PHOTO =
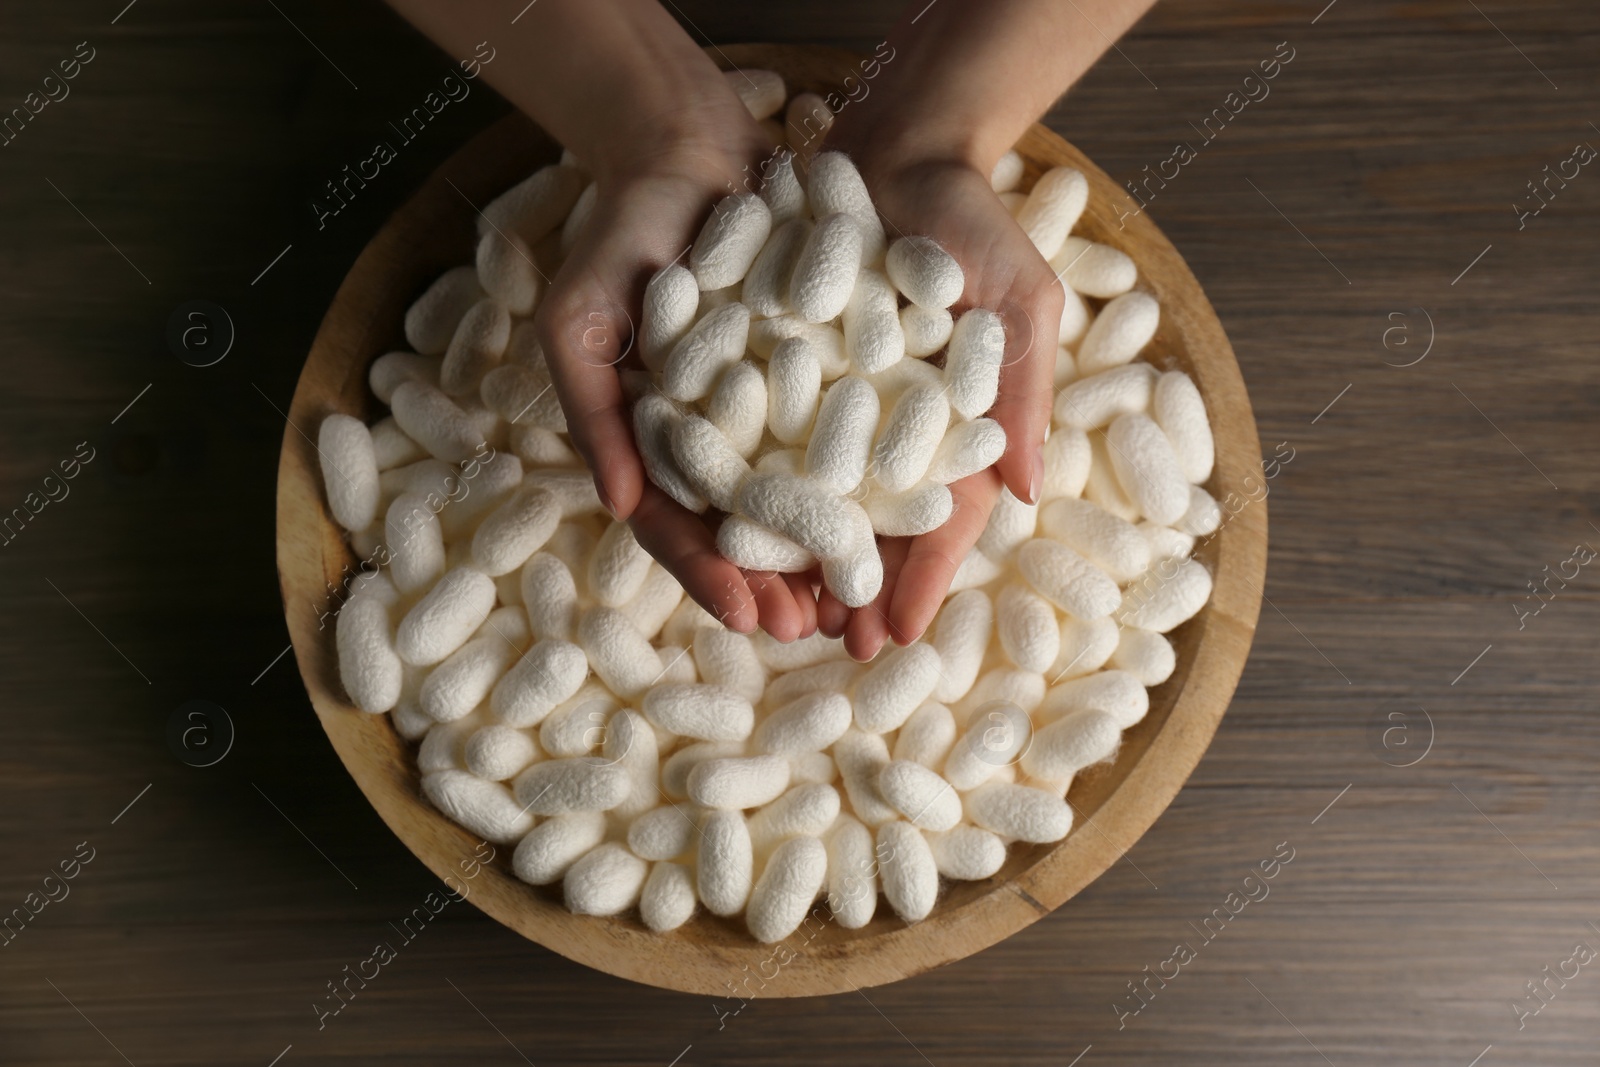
(1426, 758)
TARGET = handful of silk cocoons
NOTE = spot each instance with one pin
(806, 377)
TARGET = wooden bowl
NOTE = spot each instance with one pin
(434, 231)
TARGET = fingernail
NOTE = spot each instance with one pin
(605, 498)
(1036, 477)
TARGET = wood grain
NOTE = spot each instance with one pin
(1402, 533)
(434, 230)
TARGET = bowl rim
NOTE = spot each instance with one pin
(716, 957)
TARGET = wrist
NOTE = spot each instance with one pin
(889, 134)
(682, 128)
(884, 147)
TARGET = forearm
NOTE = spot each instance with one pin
(611, 81)
(969, 76)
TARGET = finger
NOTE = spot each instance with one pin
(780, 616)
(680, 541)
(1027, 378)
(932, 559)
(869, 626)
(585, 332)
(805, 600)
(832, 616)
(587, 321)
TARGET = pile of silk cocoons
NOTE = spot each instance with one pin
(793, 390)
(570, 703)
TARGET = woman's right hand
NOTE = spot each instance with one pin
(653, 194)
(653, 119)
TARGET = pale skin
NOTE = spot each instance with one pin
(633, 97)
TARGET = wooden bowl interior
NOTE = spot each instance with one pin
(435, 231)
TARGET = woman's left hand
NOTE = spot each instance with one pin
(951, 201)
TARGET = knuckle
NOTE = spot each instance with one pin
(565, 296)
(565, 311)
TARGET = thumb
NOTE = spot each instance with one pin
(588, 322)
